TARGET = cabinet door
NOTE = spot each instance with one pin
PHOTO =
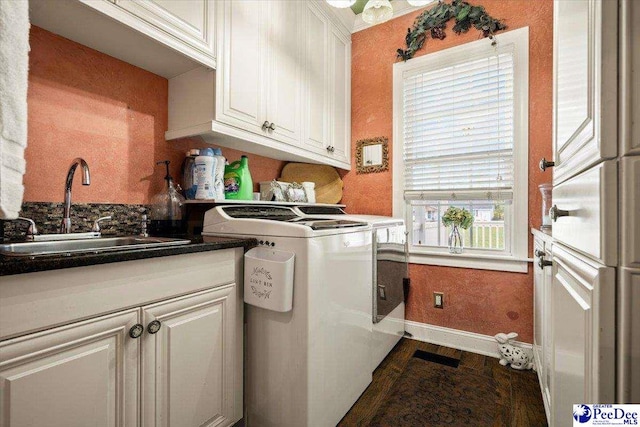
(316, 80)
(628, 329)
(583, 321)
(340, 95)
(242, 65)
(284, 79)
(538, 307)
(585, 85)
(189, 21)
(189, 364)
(547, 333)
(83, 374)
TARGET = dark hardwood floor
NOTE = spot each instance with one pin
(517, 400)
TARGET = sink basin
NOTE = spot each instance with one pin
(102, 244)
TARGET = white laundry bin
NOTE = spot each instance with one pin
(268, 278)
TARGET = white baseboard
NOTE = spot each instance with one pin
(462, 340)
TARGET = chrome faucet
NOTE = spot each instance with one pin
(65, 227)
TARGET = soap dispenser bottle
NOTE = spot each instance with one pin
(167, 209)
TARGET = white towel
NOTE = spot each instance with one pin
(14, 68)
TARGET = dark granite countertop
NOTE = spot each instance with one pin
(18, 265)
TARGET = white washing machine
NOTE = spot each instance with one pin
(308, 366)
(390, 284)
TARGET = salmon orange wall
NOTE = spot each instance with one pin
(83, 103)
(485, 302)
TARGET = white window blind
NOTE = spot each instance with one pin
(458, 129)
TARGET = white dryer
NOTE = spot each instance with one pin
(390, 281)
(308, 366)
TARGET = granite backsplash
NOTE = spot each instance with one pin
(126, 219)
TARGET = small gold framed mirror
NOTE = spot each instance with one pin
(372, 155)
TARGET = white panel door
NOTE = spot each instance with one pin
(583, 318)
(316, 79)
(190, 21)
(628, 329)
(83, 374)
(284, 81)
(630, 215)
(241, 63)
(538, 306)
(585, 85)
(189, 364)
(340, 93)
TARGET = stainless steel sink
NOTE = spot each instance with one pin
(102, 244)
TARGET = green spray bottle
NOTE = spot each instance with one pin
(237, 180)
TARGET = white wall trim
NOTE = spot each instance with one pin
(455, 338)
(400, 7)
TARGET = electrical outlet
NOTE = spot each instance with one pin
(438, 300)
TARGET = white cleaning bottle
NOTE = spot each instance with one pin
(218, 179)
(205, 165)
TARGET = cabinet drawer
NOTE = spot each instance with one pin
(590, 202)
(630, 205)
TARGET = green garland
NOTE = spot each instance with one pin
(433, 21)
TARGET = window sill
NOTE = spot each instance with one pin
(474, 261)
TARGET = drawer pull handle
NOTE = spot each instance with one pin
(556, 213)
(136, 330)
(542, 263)
(544, 164)
(154, 326)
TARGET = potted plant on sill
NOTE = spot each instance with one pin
(457, 218)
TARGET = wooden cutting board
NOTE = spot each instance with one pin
(328, 182)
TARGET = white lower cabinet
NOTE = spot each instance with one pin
(583, 325)
(542, 335)
(188, 364)
(169, 355)
(84, 374)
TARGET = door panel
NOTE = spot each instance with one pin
(84, 374)
(285, 71)
(340, 92)
(242, 64)
(630, 205)
(585, 100)
(316, 96)
(583, 319)
(190, 21)
(628, 329)
(189, 364)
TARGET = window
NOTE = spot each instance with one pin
(461, 139)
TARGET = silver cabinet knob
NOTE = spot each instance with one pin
(154, 326)
(136, 330)
(556, 213)
(538, 253)
(272, 127)
(331, 148)
(544, 164)
(542, 263)
(265, 125)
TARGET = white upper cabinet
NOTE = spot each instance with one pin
(241, 73)
(585, 85)
(165, 37)
(282, 86)
(188, 24)
(340, 93)
(316, 79)
(284, 76)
